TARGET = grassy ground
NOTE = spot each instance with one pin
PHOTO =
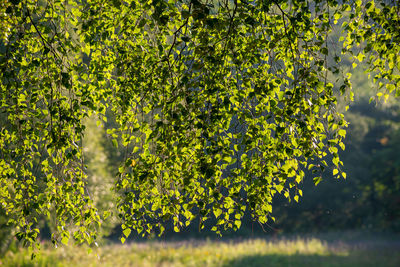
(342, 249)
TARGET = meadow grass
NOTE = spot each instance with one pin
(306, 251)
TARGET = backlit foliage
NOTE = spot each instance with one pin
(219, 105)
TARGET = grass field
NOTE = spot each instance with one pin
(332, 249)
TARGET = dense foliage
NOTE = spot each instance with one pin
(218, 105)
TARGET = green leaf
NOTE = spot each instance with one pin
(127, 232)
(342, 133)
(335, 171)
(279, 188)
(238, 223)
(115, 143)
(317, 180)
(217, 212)
(64, 240)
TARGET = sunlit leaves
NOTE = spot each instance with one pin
(218, 106)
(374, 28)
(225, 121)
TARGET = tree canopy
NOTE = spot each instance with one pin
(218, 105)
